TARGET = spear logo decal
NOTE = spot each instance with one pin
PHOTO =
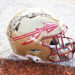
(48, 27)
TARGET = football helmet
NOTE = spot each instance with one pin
(40, 34)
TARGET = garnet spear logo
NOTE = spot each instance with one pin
(48, 27)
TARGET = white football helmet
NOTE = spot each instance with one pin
(40, 34)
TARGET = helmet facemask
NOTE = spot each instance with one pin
(61, 46)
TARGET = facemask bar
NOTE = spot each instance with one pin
(63, 52)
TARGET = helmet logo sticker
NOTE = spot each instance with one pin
(35, 34)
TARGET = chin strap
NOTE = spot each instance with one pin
(35, 58)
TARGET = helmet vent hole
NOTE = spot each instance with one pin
(16, 28)
(32, 16)
(35, 50)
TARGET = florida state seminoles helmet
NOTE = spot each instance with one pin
(38, 33)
